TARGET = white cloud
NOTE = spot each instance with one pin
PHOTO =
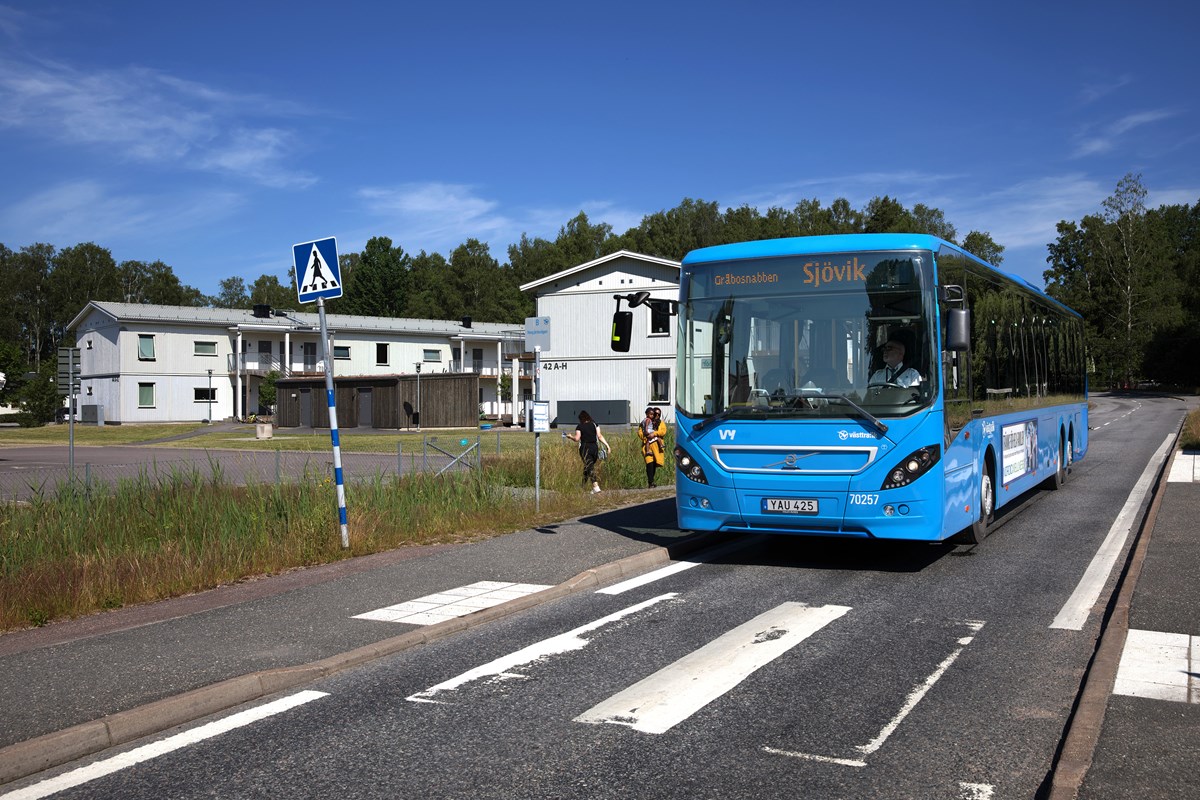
(87, 211)
(144, 115)
(1089, 143)
(437, 217)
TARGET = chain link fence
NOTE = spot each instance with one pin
(436, 454)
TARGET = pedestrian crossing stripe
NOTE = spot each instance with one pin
(317, 270)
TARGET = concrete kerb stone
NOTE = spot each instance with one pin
(54, 749)
(1084, 726)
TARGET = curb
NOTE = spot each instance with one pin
(54, 749)
(1087, 719)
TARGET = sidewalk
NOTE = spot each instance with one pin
(1142, 738)
(78, 687)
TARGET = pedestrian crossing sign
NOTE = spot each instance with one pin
(318, 273)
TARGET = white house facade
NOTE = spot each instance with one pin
(149, 363)
(580, 369)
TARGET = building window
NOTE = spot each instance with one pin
(381, 354)
(145, 347)
(660, 385)
(206, 348)
(660, 320)
(145, 395)
(341, 352)
(432, 355)
(204, 395)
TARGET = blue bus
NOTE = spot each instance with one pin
(887, 386)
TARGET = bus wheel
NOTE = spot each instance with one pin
(987, 507)
(1059, 479)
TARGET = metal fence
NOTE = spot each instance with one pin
(436, 455)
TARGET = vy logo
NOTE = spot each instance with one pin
(727, 434)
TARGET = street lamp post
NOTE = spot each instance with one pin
(210, 397)
(417, 413)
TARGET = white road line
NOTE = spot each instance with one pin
(1079, 605)
(108, 766)
(671, 695)
(1161, 666)
(914, 697)
(918, 692)
(976, 791)
(555, 645)
(434, 608)
(1183, 468)
(672, 569)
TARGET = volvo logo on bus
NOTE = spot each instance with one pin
(790, 461)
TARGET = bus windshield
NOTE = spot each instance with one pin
(840, 334)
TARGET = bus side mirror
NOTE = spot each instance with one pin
(622, 331)
(958, 329)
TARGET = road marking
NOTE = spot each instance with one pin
(1161, 666)
(434, 608)
(146, 752)
(672, 569)
(976, 791)
(502, 667)
(1183, 468)
(1075, 611)
(671, 695)
(915, 696)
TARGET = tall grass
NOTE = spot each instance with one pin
(161, 535)
(1190, 438)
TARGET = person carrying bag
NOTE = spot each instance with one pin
(653, 432)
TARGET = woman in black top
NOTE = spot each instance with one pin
(588, 434)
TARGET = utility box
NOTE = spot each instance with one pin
(605, 412)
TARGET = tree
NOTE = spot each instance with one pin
(380, 281)
(981, 244)
(39, 398)
(673, 234)
(268, 390)
(932, 221)
(267, 290)
(1114, 268)
(28, 278)
(232, 295)
(484, 291)
(154, 283)
(885, 215)
(78, 275)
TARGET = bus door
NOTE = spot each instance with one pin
(964, 440)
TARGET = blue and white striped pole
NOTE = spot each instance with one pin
(333, 426)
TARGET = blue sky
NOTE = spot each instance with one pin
(213, 136)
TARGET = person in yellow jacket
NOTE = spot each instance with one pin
(653, 433)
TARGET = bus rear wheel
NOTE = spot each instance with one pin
(987, 507)
(1059, 479)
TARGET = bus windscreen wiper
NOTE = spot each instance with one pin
(874, 420)
(726, 413)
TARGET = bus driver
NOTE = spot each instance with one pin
(893, 371)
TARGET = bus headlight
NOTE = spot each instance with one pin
(912, 466)
(688, 466)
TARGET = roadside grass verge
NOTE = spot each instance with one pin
(1190, 438)
(68, 554)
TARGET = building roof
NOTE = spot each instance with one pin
(664, 262)
(288, 320)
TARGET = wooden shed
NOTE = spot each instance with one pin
(380, 401)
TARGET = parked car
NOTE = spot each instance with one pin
(60, 416)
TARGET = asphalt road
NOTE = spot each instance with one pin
(777, 668)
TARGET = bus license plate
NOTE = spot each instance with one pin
(789, 505)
